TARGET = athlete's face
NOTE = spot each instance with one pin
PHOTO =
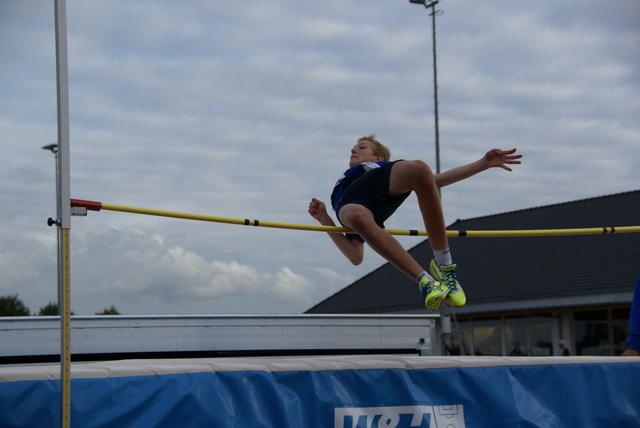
(363, 152)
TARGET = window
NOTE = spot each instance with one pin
(460, 341)
(487, 336)
(620, 329)
(592, 333)
(620, 334)
(516, 330)
(541, 329)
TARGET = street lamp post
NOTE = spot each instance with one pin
(434, 12)
(431, 4)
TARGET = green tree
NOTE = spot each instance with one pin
(50, 309)
(11, 306)
(109, 311)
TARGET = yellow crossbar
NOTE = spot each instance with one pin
(96, 206)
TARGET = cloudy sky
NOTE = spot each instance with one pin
(249, 109)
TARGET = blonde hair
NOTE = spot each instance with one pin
(379, 149)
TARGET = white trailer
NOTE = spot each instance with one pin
(93, 338)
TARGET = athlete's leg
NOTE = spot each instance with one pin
(416, 176)
(360, 220)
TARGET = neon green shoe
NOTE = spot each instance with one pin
(447, 275)
(433, 293)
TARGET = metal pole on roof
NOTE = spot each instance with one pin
(434, 12)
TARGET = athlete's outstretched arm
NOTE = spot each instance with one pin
(353, 249)
(492, 159)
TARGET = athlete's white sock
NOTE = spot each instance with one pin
(423, 275)
(442, 257)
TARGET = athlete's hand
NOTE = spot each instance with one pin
(502, 158)
(318, 210)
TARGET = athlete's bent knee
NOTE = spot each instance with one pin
(356, 217)
(418, 168)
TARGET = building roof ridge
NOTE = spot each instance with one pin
(543, 206)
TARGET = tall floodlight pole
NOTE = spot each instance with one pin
(63, 220)
(434, 12)
(431, 4)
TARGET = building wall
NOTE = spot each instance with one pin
(598, 331)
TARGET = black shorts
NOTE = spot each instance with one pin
(371, 191)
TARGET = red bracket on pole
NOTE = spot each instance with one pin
(89, 205)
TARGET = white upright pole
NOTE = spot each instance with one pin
(63, 209)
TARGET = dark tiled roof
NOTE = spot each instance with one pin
(499, 270)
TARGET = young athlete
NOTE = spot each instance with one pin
(371, 190)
